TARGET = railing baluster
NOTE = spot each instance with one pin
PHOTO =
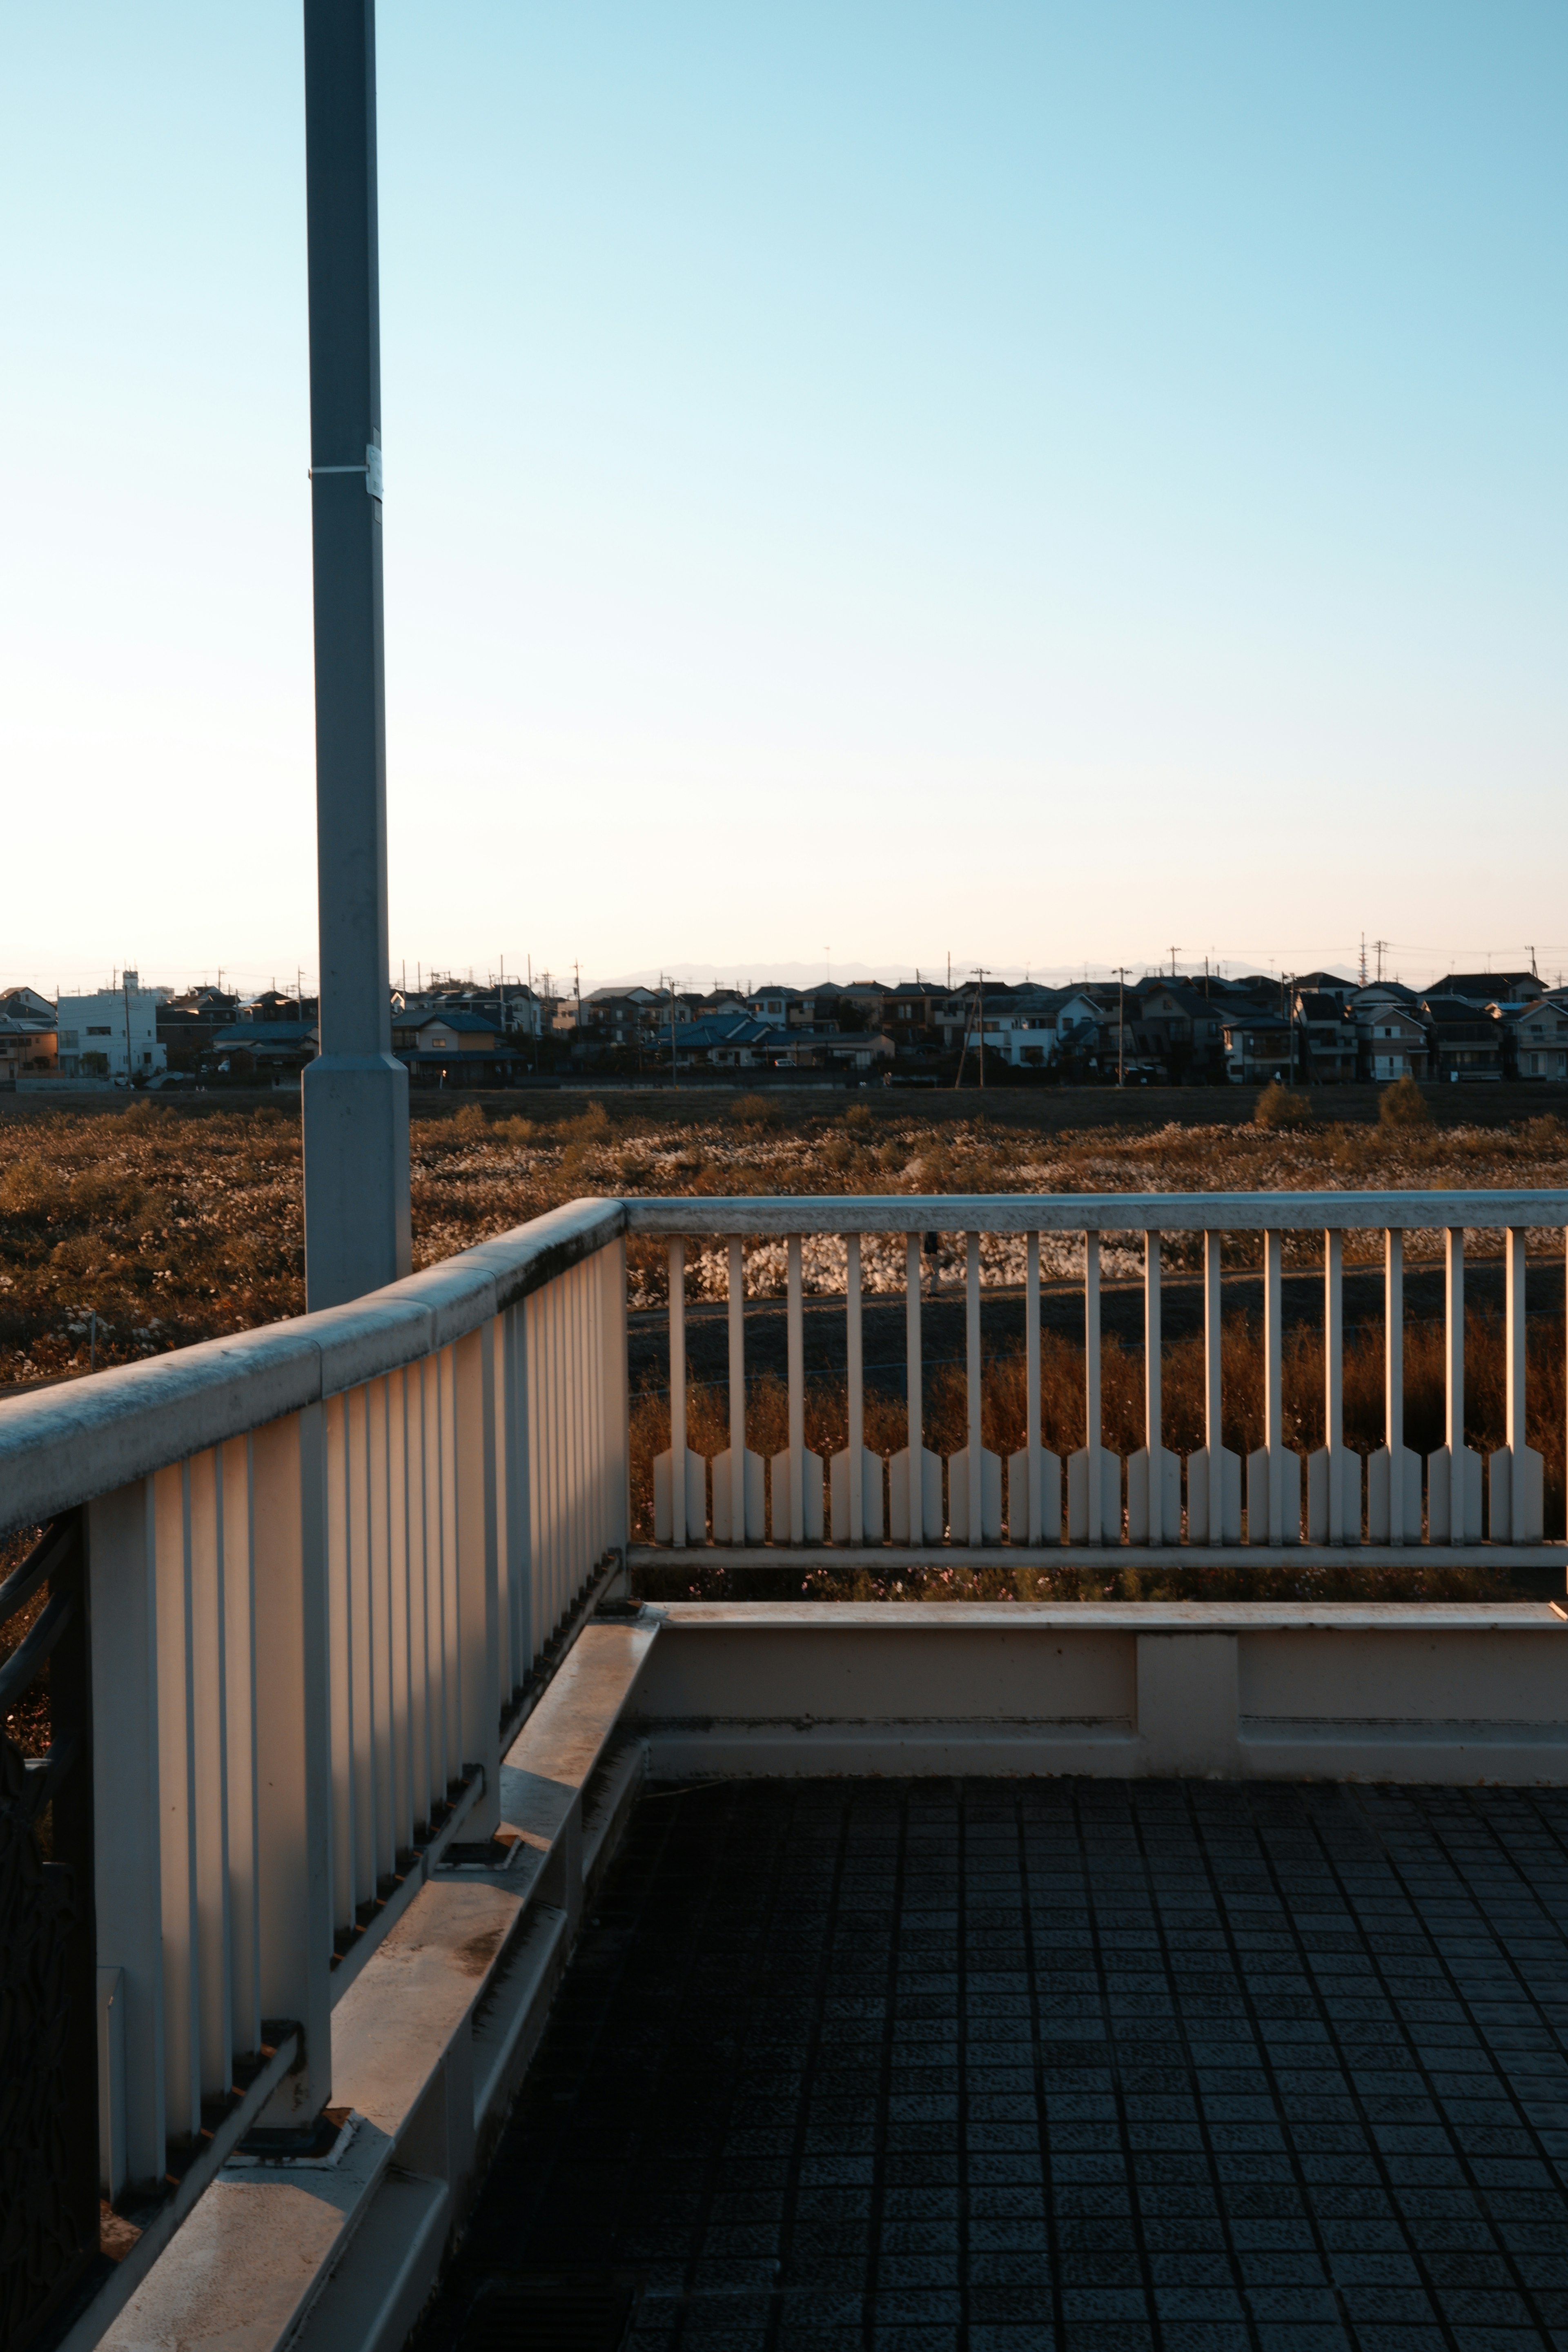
(209, 1780)
(1153, 1475)
(1515, 1471)
(123, 1622)
(617, 1462)
(362, 1634)
(520, 1512)
(400, 1812)
(1393, 1376)
(1035, 1524)
(177, 1793)
(1344, 1482)
(434, 1592)
(293, 1753)
(914, 1459)
(239, 1699)
(1094, 1479)
(452, 1650)
(1452, 1473)
(730, 1512)
(678, 1393)
(973, 1532)
(1393, 1472)
(796, 1350)
(576, 1285)
(1153, 1434)
(378, 1561)
(418, 1619)
(478, 1596)
(1214, 1475)
(855, 1389)
(1214, 1387)
(1094, 1429)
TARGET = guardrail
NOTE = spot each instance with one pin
(1282, 1501)
(321, 1561)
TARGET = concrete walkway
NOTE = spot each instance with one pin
(997, 2066)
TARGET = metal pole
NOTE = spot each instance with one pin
(355, 1094)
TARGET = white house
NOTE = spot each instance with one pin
(1390, 1033)
(1542, 1037)
(120, 1023)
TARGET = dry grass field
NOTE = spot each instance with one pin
(173, 1223)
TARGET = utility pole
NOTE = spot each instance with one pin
(1122, 1018)
(1380, 945)
(1173, 955)
(125, 989)
(674, 1056)
(355, 1093)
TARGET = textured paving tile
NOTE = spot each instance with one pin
(1001, 2066)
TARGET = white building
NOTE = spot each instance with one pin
(120, 1023)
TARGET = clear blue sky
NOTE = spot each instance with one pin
(1043, 482)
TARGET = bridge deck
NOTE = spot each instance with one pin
(1001, 2064)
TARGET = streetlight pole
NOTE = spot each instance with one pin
(355, 1094)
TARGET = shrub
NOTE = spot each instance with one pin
(471, 1120)
(590, 1125)
(516, 1130)
(1403, 1104)
(755, 1111)
(859, 1119)
(1277, 1106)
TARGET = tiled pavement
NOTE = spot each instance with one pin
(1096, 2065)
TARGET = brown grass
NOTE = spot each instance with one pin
(176, 1224)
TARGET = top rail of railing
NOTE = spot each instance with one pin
(1105, 1212)
(64, 1445)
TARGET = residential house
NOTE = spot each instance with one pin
(1258, 1048)
(1327, 1044)
(25, 1005)
(187, 1024)
(1324, 983)
(274, 1004)
(442, 1047)
(112, 1034)
(1490, 987)
(1540, 1034)
(1463, 1040)
(1391, 1037)
(25, 1046)
(266, 1048)
(910, 1016)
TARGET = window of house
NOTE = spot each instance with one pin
(104, 1032)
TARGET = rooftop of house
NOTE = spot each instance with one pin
(1487, 987)
(446, 1017)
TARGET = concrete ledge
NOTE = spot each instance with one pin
(165, 2220)
(1443, 1691)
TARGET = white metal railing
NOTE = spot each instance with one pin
(857, 1499)
(322, 1560)
(324, 1556)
